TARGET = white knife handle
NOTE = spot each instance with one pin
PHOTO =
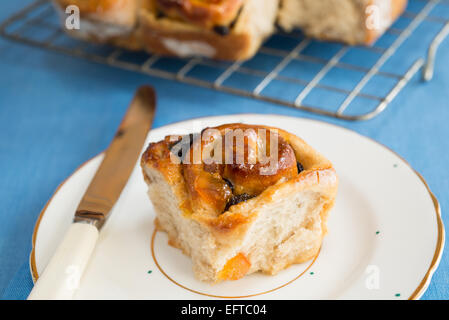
(62, 275)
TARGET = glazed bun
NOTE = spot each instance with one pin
(240, 198)
(237, 163)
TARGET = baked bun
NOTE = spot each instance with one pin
(104, 21)
(240, 198)
(350, 21)
(218, 29)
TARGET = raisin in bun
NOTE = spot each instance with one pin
(234, 218)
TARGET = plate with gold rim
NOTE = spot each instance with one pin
(385, 235)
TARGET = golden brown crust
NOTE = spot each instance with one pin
(105, 21)
(206, 13)
(94, 6)
(157, 155)
(156, 34)
(397, 8)
(120, 12)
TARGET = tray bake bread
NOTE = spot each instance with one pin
(226, 29)
(239, 198)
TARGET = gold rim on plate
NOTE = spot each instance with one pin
(416, 294)
(226, 297)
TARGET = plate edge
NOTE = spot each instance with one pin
(32, 257)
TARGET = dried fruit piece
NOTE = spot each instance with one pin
(236, 199)
(300, 167)
(235, 268)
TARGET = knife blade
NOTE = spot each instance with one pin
(119, 160)
(62, 275)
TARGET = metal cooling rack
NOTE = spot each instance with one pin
(289, 70)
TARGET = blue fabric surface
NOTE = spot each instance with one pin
(56, 112)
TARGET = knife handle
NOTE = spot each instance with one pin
(63, 273)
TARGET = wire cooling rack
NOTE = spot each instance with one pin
(289, 70)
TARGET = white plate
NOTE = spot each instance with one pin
(385, 233)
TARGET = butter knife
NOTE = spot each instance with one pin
(63, 273)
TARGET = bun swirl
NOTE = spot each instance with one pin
(239, 199)
(252, 158)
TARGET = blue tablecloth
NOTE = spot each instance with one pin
(56, 112)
